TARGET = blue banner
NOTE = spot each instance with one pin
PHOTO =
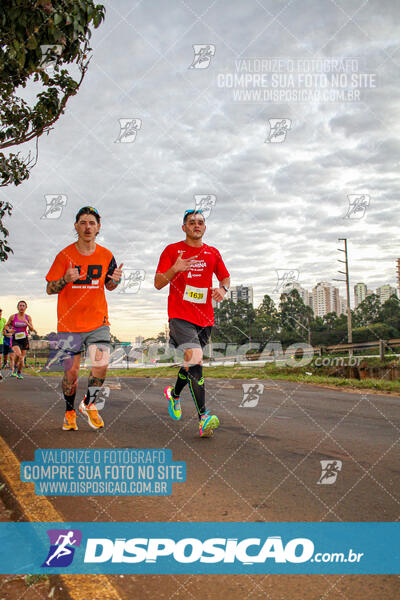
(194, 548)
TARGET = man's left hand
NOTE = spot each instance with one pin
(218, 294)
(117, 274)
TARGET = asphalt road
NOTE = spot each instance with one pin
(262, 464)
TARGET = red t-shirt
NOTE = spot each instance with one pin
(82, 304)
(190, 291)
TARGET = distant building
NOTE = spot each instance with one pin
(241, 292)
(360, 293)
(342, 306)
(325, 299)
(384, 292)
(303, 293)
(310, 301)
(139, 339)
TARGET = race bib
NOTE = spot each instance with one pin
(20, 335)
(194, 294)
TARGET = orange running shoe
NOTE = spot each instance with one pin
(92, 414)
(70, 421)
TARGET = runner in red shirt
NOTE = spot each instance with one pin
(188, 267)
(79, 274)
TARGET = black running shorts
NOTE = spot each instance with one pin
(21, 343)
(183, 334)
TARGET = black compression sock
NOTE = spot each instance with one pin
(69, 402)
(181, 381)
(196, 386)
(94, 385)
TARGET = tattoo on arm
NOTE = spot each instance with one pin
(111, 285)
(55, 287)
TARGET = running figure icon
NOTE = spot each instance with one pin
(62, 548)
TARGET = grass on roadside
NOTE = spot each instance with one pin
(34, 579)
(256, 372)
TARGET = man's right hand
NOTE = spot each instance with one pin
(183, 264)
(72, 274)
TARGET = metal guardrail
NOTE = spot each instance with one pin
(124, 360)
(380, 344)
(362, 345)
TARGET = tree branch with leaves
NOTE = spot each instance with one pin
(40, 43)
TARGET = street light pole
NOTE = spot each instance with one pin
(238, 328)
(248, 337)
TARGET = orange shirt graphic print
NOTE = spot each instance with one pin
(82, 304)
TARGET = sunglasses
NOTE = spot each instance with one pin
(190, 211)
(90, 208)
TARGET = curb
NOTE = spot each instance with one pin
(39, 509)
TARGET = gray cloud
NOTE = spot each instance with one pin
(278, 205)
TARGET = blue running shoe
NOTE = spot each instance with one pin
(207, 424)
(174, 407)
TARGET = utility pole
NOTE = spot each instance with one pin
(347, 280)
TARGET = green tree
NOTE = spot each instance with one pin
(161, 337)
(390, 313)
(329, 329)
(234, 322)
(5, 209)
(295, 317)
(266, 324)
(32, 34)
(368, 312)
(330, 320)
(373, 333)
(317, 324)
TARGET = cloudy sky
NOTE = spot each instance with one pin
(281, 196)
